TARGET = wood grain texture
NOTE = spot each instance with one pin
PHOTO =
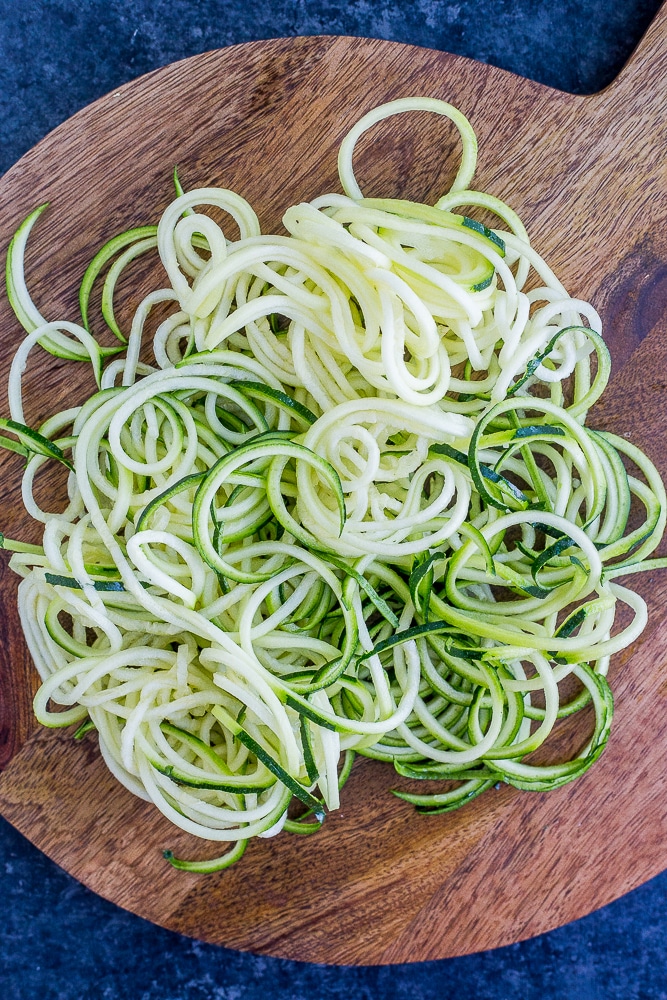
(588, 175)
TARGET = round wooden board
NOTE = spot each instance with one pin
(379, 884)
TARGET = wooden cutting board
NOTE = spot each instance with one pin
(379, 884)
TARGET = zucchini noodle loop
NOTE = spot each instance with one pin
(349, 504)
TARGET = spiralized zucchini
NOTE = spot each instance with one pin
(349, 505)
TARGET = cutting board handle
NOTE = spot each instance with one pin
(643, 79)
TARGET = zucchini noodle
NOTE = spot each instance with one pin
(350, 504)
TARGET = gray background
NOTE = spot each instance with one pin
(57, 940)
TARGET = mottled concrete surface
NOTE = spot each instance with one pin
(60, 942)
(57, 55)
(57, 940)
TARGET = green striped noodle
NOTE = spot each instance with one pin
(344, 501)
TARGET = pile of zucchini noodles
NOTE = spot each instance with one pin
(351, 506)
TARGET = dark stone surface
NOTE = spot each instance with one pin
(58, 941)
(57, 55)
